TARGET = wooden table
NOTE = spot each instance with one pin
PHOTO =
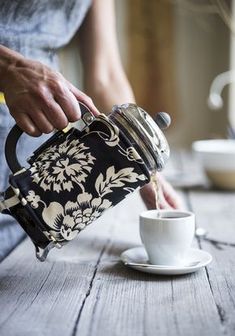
(84, 289)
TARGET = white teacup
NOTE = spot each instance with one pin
(167, 235)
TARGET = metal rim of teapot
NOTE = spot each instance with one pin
(142, 127)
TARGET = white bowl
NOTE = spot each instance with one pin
(218, 160)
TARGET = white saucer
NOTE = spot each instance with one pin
(137, 258)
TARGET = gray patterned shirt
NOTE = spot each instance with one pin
(38, 28)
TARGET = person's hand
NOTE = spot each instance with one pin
(40, 99)
(167, 196)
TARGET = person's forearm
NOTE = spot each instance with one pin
(104, 77)
(107, 92)
(8, 58)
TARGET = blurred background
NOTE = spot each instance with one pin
(172, 50)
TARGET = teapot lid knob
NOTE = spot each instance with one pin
(163, 120)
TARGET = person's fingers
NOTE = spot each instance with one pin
(27, 125)
(162, 201)
(169, 193)
(148, 196)
(43, 124)
(152, 199)
(44, 112)
(44, 100)
(68, 103)
(164, 205)
(54, 114)
(172, 198)
(166, 196)
(83, 98)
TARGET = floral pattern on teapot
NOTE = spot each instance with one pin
(67, 168)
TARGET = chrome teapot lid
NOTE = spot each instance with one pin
(149, 135)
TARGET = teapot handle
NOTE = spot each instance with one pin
(10, 148)
(15, 133)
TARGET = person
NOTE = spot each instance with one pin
(37, 97)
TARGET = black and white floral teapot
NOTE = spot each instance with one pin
(78, 174)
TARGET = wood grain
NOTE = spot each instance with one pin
(126, 302)
(84, 289)
(216, 213)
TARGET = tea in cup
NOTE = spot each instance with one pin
(167, 235)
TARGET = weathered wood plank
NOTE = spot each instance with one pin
(126, 302)
(46, 299)
(215, 212)
(85, 290)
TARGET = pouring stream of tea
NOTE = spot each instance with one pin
(155, 185)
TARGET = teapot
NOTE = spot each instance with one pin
(79, 173)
